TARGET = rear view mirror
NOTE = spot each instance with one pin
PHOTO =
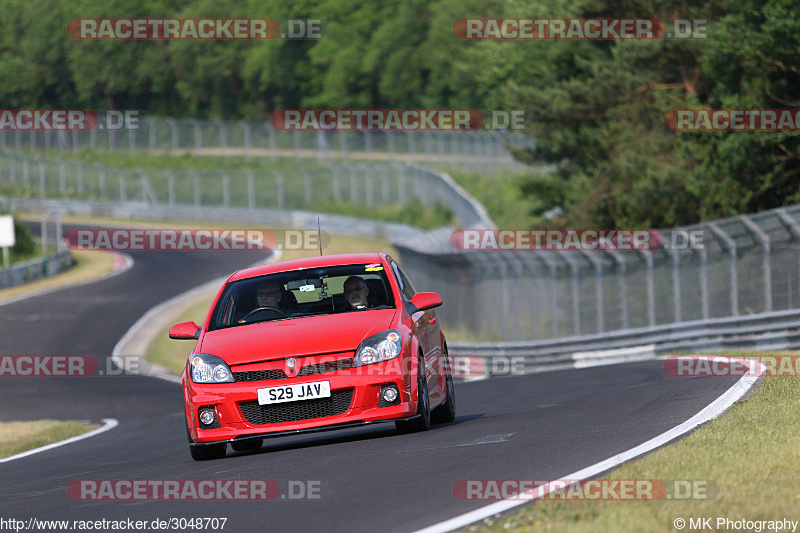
(304, 285)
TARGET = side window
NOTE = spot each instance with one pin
(405, 285)
(225, 311)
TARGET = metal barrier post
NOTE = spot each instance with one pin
(574, 270)
(676, 284)
(598, 287)
(197, 188)
(794, 228)
(651, 299)
(251, 190)
(765, 260)
(730, 244)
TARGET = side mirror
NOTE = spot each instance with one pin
(185, 331)
(422, 301)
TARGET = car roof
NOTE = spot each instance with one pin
(307, 262)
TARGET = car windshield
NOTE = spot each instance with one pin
(301, 293)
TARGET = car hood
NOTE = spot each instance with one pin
(267, 341)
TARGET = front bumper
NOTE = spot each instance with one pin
(355, 400)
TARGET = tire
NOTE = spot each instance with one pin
(423, 420)
(447, 411)
(208, 451)
(247, 445)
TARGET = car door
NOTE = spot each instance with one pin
(427, 328)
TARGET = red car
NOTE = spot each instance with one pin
(311, 345)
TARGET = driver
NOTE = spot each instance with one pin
(269, 294)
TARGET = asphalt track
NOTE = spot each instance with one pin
(539, 426)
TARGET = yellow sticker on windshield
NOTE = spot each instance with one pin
(373, 267)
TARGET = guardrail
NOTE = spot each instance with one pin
(779, 330)
(34, 269)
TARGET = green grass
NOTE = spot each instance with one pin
(15, 258)
(172, 354)
(459, 333)
(502, 196)
(150, 161)
(412, 214)
(18, 437)
(751, 453)
(269, 177)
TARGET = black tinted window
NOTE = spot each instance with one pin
(301, 293)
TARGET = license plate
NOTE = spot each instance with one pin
(293, 393)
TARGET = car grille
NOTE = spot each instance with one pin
(259, 375)
(338, 402)
(308, 370)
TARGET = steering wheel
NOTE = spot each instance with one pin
(260, 309)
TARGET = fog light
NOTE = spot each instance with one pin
(207, 417)
(390, 394)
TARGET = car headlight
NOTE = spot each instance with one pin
(210, 369)
(378, 348)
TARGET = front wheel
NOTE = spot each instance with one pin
(422, 421)
(206, 452)
(447, 411)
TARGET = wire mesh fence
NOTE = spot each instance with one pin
(740, 266)
(480, 150)
(366, 187)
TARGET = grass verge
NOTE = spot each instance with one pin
(752, 454)
(502, 195)
(18, 437)
(89, 265)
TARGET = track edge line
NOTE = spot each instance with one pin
(108, 424)
(709, 412)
